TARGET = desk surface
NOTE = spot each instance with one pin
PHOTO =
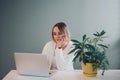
(69, 75)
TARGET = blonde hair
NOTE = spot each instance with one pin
(63, 28)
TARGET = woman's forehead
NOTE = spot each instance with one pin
(56, 29)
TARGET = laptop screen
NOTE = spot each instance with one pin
(32, 64)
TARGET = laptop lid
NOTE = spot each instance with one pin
(32, 64)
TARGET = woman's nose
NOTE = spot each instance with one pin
(58, 35)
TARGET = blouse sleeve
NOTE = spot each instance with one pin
(64, 62)
(47, 51)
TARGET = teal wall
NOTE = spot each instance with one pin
(25, 25)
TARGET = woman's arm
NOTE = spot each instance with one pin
(48, 51)
(64, 62)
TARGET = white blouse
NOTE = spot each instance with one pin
(57, 58)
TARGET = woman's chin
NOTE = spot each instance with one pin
(58, 41)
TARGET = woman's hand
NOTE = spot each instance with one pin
(61, 43)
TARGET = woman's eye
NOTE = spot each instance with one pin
(59, 33)
(54, 33)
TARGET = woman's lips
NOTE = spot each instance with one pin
(58, 39)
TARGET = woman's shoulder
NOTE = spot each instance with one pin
(70, 44)
(50, 43)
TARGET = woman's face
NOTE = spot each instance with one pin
(57, 35)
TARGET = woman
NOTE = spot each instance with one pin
(58, 48)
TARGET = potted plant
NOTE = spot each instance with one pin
(92, 53)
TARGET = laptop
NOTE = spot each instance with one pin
(31, 64)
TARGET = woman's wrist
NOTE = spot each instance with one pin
(59, 47)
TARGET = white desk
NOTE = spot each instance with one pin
(66, 75)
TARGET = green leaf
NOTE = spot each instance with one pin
(96, 34)
(77, 44)
(80, 59)
(90, 47)
(102, 33)
(74, 59)
(94, 66)
(73, 50)
(95, 40)
(84, 37)
(78, 52)
(75, 41)
(103, 46)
